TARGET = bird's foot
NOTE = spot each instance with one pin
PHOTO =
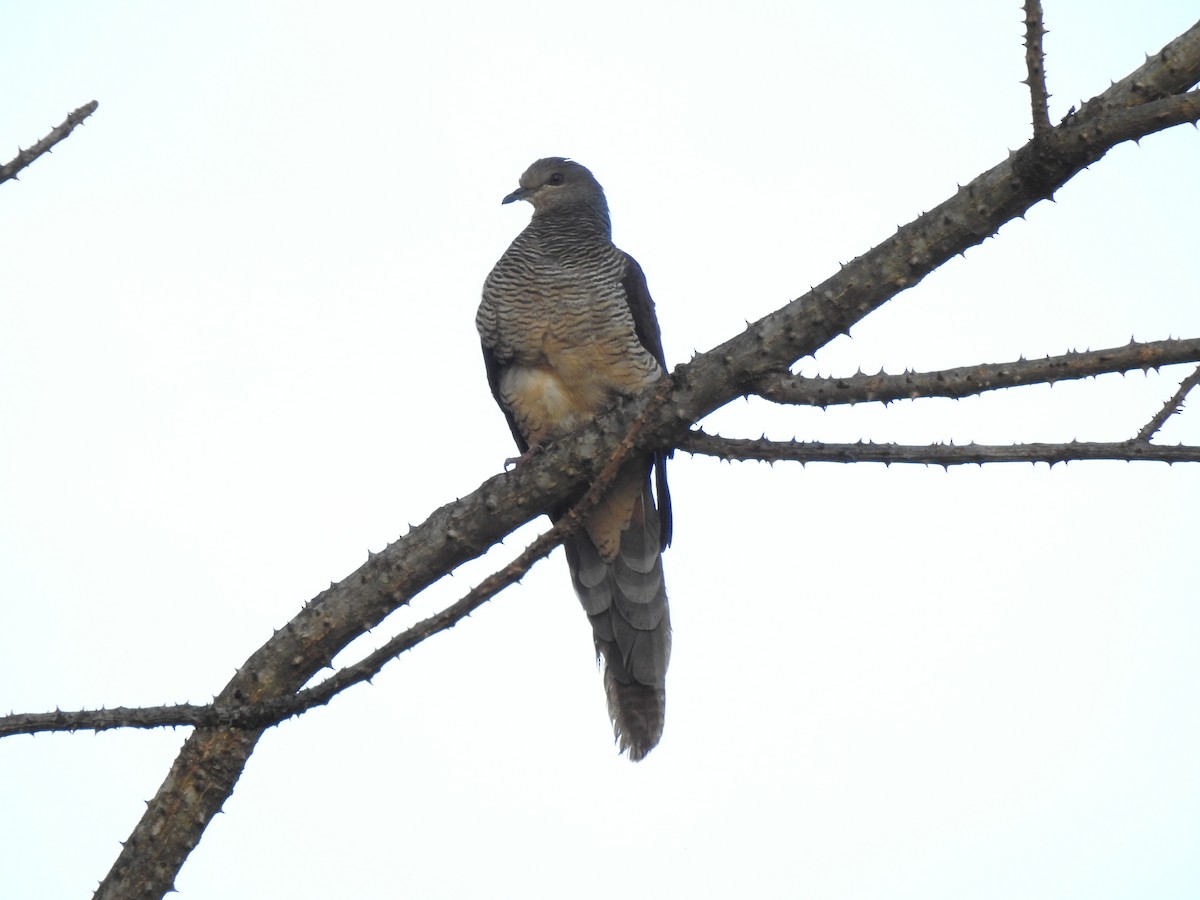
(513, 461)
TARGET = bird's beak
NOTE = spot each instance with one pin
(518, 194)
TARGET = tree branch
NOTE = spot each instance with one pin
(1035, 65)
(1172, 406)
(212, 759)
(740, 449)
(25, 157)
(1138, 122)
(968, 380)
(117, 717)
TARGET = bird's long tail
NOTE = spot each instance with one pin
(618, 576)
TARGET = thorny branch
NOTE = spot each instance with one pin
(1172, 406)
(960, 383)
(1151, 117)
(969, 380)
(180, 714)
(27, 156)
(1035, 65)
(762, 450)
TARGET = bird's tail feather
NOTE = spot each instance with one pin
(626, 601)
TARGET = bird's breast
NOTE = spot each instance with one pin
(564, 339)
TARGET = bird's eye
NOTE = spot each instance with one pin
(556, 178)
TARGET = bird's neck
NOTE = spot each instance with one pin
(582, 222)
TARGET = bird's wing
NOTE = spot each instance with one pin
(492, 364)
(645, 323)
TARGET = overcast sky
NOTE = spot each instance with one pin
(237, 351)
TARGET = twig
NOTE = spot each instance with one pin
(969, 380)
(1035, 66)
(1172, 406)
(25, 157)
(931, 455)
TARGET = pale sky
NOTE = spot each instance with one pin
(237, 351)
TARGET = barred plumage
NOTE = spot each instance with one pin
(568, 326)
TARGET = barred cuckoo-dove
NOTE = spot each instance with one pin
(568, 327)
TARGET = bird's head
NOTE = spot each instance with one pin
(556, 183)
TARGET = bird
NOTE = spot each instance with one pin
(568, 329)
